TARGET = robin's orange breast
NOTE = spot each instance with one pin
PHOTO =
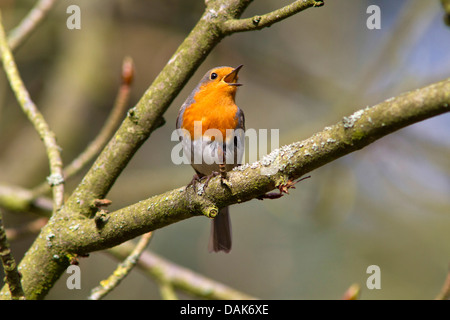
(215, 108)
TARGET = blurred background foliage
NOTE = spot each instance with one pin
(387, 204)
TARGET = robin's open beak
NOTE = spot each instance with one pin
(232, 77)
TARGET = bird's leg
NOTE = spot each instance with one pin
(209, 177)
(223, 172)
(195, 179)
(222, 166)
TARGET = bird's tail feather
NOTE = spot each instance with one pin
(220, 238)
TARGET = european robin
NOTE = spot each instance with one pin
(213, 138)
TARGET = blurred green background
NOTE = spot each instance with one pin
(388, 204)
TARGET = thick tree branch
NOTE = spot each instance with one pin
(55, 179)
(253, 180)
(266, 20)
(71, 234)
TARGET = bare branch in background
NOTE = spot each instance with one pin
(56, 178)
(107, 130)
(106, 286)
(17, 35)
(266, 20)
(171, 275)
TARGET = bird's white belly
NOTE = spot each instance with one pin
(205, 154)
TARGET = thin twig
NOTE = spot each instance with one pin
(124, 268)
(167, 291)
(168, 273)
(12, 275)
(266, 20)
(445, 291)
(19, 199)
(55, 179)
(111, 123)
(17, 35)
(114, 118)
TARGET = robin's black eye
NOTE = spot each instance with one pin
(213, 75)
